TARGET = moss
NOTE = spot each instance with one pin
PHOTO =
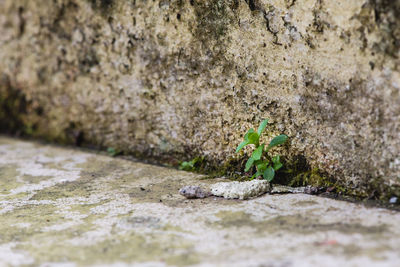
(374, 190)
(212, 168)
(299, 173)
(311, 177)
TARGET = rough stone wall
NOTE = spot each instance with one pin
(174, 79)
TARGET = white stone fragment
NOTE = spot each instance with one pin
(241, 190)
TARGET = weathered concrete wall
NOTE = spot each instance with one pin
(172, 78)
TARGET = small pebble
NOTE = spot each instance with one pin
(192, 191)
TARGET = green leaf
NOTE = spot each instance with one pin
(276, 158)
(186, 165)
(256, 175)
(113, 152)
(261, 165)
(241, 145)
(278, 140)
(258, 152)
(254, 138)
(277, 162)
(249, 164)
(246, 136)
(262, 126)
(269, 174)
(257, 162)
(277, 166)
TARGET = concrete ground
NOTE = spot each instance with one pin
(67, 207)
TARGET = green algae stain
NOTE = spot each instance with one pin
(36, 216)
(30, 179)
(293, 223)
(100, 166)
(376, 253)
(129, 248)
(14, 197)
(173, 228)
(78, 188)
(92, 173)
(184, 259)
(48, 232)
(56, 165)
(134, 247)
(234, 219)
(304, 225)
(8, 178)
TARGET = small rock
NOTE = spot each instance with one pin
(191, 191)
(241, 190)
(393, 200)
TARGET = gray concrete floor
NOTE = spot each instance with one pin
(66, 207)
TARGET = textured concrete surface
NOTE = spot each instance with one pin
(176, 79)
(63, 207)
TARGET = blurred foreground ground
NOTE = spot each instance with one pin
(66, 207)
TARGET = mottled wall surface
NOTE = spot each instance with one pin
(173, 78)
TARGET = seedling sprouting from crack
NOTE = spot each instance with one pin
(266, 165)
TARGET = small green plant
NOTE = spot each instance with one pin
(265, 164)
(190, 165)
(113, 152)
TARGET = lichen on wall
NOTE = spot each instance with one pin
(180, 79)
